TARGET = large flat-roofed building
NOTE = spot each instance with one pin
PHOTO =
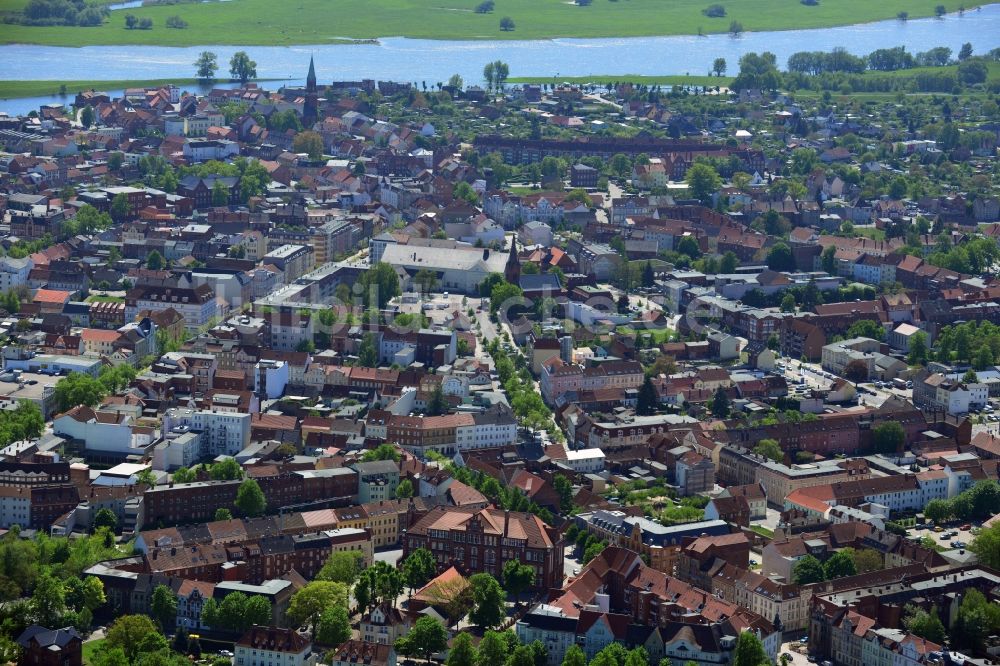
(660, 543)
(458, 266)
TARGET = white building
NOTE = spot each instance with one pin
(224, 433)
(272, 646)
(15, 506)
(490, 429)
(14, 272)
(271, 378)
(585, 461)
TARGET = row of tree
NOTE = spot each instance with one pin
(241, 67)
(977, 503)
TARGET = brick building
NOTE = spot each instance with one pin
(481, 540)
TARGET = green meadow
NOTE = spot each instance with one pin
(265, 22)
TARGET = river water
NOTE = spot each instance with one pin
(431, 61)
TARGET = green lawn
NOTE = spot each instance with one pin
(763, 531)
(602, 80)
(251, 22)
(100, 298)
(89, 648)
(11, 89)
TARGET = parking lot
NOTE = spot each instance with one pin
(964, 536)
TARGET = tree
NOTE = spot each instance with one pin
(342, 567)
(918, 349)
(938, 510)
(856, 371)
(78, 389)
(757, 72)
(965, 52)
(241, 67)
(925, 625)
(592, 550)
(574, 656)
(769, 448)
(205, 66)
(487, 601)
(367, 354)
(48, 600)
(839, 565)
(788, 303)
(334, 627)
(163, 608)
(977, 618)
(703, 181)
(507, 24)
(131, 633)
(647, 400)
(437, 404)
(720, 404)
(382, 452)
(226, 469)
(154, 261)
(829, 259)
(866, 328)
(222, 513)
(889, 437)
(379, 285)
(517, 577)
(184, 475)
(808, 570)
(309, 602)
(780, 258)
(87, 116)
(405, 489)
(250, 500)
(419, 568)
(131, 21)
(940, 11)
(493, 649)
(986, 546)
(427, 637)
(729, 262)
(462, 652)
(719, 66)
(564, 488)
(868, 559)
(105, 518)
(220, 193)
(749, 651)
(310, 143)
(689, 246)
(120, 207)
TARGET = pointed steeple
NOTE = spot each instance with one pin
(310, 109)
(311, 76)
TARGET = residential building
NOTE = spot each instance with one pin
(271, 646)
(481, 540)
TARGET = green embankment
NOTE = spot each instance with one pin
(249, 22)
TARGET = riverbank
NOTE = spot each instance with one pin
(603, 80)
(264, 22)
(20, 89)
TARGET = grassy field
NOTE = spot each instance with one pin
(250, 22)
(11, 89)
(601, 80)
(14, 89)
(89, 648)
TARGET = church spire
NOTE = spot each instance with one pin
(310, 110)
(311, 77)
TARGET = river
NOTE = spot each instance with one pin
(431, 61)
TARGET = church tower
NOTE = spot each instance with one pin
(310, 111)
